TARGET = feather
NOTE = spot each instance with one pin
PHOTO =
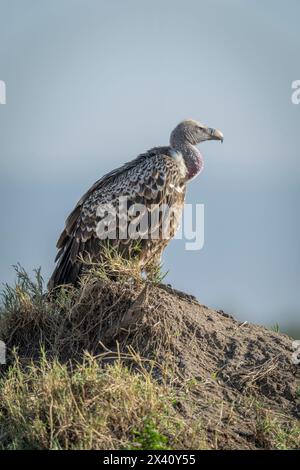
(151, 179)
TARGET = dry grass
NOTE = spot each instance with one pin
(56, 395)
(273, 429)
(114, 266)
(49, 406)
(120, 363)
(94, 317)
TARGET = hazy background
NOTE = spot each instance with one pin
(90, 84)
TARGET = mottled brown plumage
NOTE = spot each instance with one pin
(154, 179)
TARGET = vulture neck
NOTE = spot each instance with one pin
(192, 157)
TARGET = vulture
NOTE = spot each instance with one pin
(128, 207)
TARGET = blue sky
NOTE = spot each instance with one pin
(90, 84)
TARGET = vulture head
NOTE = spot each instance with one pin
(193, 132)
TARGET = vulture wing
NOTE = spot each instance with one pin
(153, 179)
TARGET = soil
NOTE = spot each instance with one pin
(239, 375)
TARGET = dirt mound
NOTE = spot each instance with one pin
(238, 379)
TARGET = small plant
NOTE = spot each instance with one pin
(274, 430)
(149, 439)
(24, 292)
(276, 435)
(276, 328)
(155, 274)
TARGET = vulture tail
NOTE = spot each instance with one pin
(68, 269)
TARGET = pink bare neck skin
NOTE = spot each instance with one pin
(191, 155)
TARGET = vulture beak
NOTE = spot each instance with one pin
(215, 134)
